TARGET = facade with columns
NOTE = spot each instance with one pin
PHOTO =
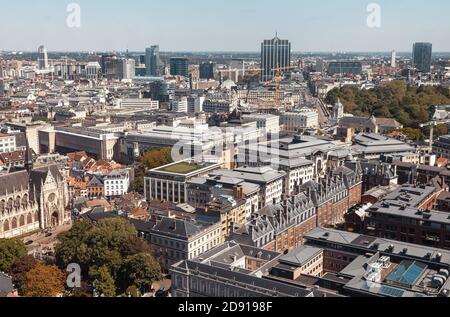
(32, 200)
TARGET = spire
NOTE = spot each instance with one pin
(28, 157)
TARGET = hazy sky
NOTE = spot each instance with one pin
(223, 25)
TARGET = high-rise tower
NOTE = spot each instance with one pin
(42, 58)
(422, 53)
(275, 53)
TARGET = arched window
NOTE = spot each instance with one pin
(10, 204)
(25, 201)
(17, 202)
(6, 226)
(29, 219)
(2, 206)
(14, 223)
(22, 221)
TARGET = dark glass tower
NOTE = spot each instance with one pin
(207, 70)
(152, 61)
(422, 53)
(275, 53)
(179, 66)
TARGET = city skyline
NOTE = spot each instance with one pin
(214, 26)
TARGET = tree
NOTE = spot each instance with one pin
(10, 251)
(157, 158)
(94, 244)
(151, 159)
(103, 281)
(134, 245)
(44, 281)
(19, 271)
(140, 270)
(440, 130)
(409, 105)
(73, 246)
(412, 134)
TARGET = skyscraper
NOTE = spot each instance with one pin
(152, 61)
(422, 53)
(42, 58)
(207, 70)
(394, 59)
(129, 68)
(2, 87)
(275, 53)
(179, 66)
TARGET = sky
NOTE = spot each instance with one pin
(223, 25)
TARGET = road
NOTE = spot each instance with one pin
(324, 114)
(43, 243)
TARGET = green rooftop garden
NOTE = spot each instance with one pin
(181, 168)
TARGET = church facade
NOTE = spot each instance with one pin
(32, 200)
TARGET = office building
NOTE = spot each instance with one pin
(267, 123)
(42, 58)
(275, 53)
(269, 180)
(180, 105)
(98, 144)
(2, 87)
(394, 59)
(207, 70)
(32, 131)
(422, 55)
(373, 146)
(302, 119)
(195, 104)
(161, 90)
(128, 69)
(139, 104)
(152, 61)
(169, 183)
(377, 267)
(441, 147)
(93, 70)
(344, 68)
(203, 190)
(174, 240)
(179, 66)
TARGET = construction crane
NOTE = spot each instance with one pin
(433, 124)
(277, 79)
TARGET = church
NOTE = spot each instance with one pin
(32, 199)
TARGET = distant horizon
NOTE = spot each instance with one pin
(16, 52)
(224, 25)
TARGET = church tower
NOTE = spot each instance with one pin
(28, 159)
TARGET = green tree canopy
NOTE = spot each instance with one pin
(10, 251)
(103, 282)
(140, 270)
(94, 244)
(104, 250)
(410, 105)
